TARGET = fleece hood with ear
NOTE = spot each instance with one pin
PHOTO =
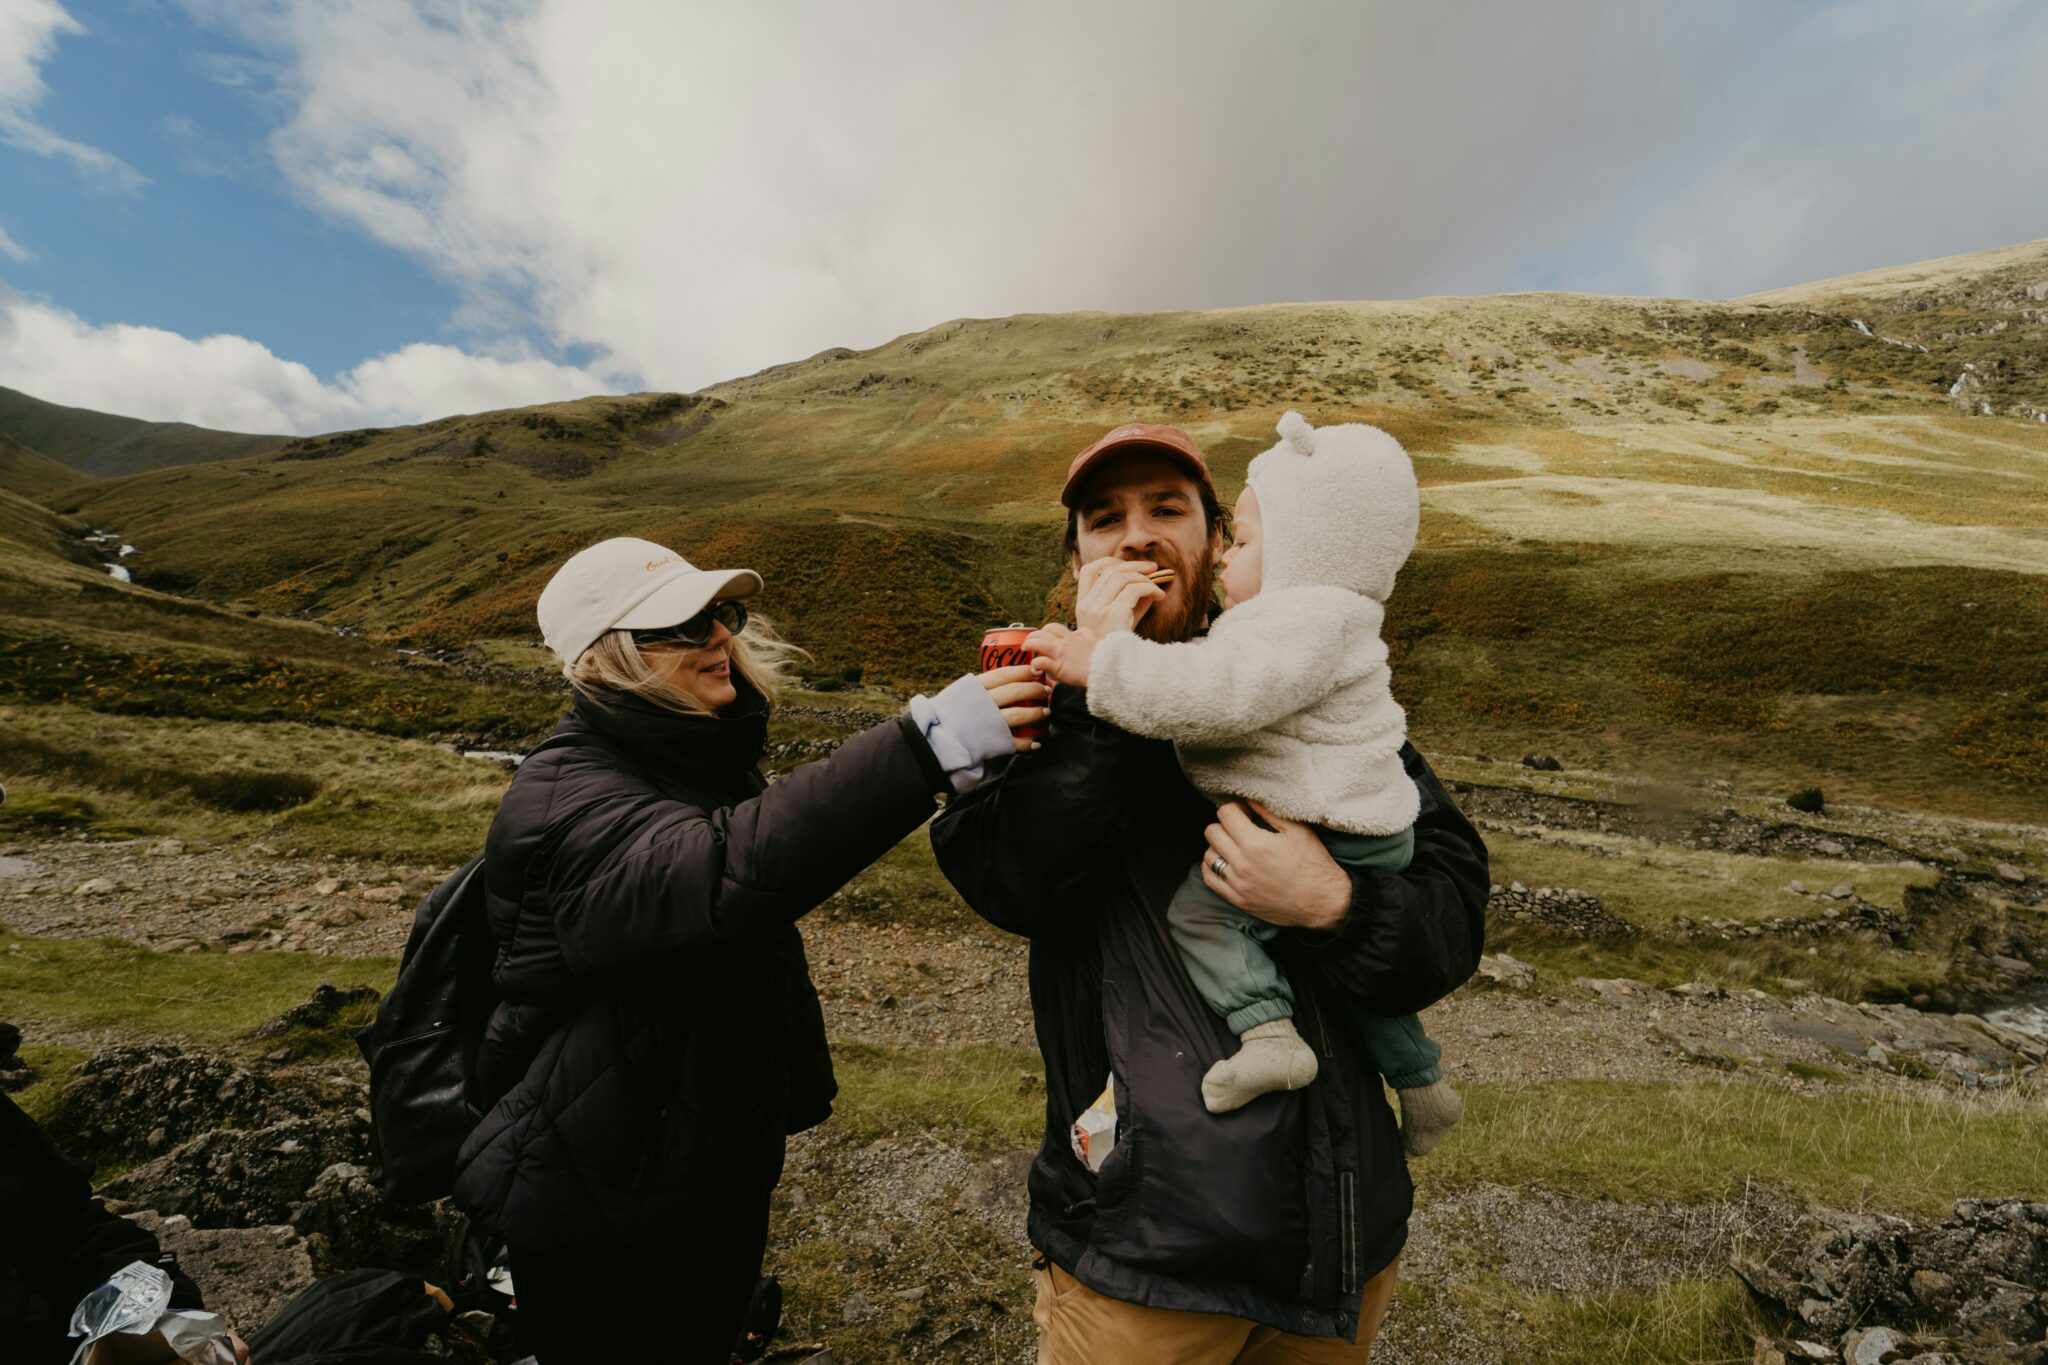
(1340, 507)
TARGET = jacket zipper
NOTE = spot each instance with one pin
(1347, 1181)
(1347, 1230)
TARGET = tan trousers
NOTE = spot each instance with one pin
(1077, 1326)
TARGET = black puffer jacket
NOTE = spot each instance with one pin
(1279, 1211)
(659, 1027)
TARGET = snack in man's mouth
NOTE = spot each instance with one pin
(1162, 576)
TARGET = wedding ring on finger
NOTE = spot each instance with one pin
(1219, 867)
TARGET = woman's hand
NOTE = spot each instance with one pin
(1113, 594)
(1061, 654)
(1281, 875)
(1020, 696)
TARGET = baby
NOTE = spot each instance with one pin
(1285, 704)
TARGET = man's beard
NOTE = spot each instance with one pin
(1185, 610)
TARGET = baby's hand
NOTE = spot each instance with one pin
(1061, 654)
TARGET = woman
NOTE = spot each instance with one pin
(659, 1035)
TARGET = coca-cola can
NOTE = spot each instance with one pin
(1003, 647)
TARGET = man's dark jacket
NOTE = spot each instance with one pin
(1279, 1211)
(57, 1245)
(659, 1033)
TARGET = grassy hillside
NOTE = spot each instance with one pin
(1761, 538)
(103, 443)
(28, 474)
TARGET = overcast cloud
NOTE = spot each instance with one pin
(689, 192)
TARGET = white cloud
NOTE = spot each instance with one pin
(694, 191)
(235, 384)
(423, 380)
(29, 30)
(12, 249)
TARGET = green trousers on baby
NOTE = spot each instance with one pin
(1225, 952)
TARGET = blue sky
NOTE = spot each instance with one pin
(214, 242)
(312, 214)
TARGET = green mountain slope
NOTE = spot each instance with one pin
(1695, 534)
(31, 474)
(102, 443)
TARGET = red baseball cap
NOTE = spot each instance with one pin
(1172, 442)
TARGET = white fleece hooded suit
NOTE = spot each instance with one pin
(1286, 699)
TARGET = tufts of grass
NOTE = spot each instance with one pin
(112, 769)
(331, 1041)
(1857, 680)
(981, 1096)
(2008, 735)
(961, 1283)
(137, 676)
(1640, 1141)
(107, 986)
(345, 793)
(1685, 1322)
(53, 1064)
(44, 813)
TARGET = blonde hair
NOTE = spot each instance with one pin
(614, 663)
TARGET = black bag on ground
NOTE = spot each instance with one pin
(365, 1317)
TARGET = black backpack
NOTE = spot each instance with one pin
(422, 1046)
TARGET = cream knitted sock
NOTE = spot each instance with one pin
(1427, 1113)
(1273, 1058)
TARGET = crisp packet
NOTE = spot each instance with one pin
(125, 1322)
(1094, 1133)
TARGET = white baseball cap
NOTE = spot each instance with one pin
(629, 584)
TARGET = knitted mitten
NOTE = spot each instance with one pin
(1273, 1058)
(1427, 1113)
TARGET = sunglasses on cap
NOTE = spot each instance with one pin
(695, 633)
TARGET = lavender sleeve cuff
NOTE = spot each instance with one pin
(964, 729)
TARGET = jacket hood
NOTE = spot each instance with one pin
(1340, 507)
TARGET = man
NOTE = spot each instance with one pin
(1269, 1233)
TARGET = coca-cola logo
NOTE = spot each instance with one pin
(1004, 656)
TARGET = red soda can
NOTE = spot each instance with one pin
(1003, 647)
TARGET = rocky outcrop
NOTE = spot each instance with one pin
(245, 1177)
(132, 1103)
(1870, 1289)
(1505, 971)
(233, 1155)
(1960, 1047)
(347, 1222)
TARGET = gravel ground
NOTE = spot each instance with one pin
(158, 893)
